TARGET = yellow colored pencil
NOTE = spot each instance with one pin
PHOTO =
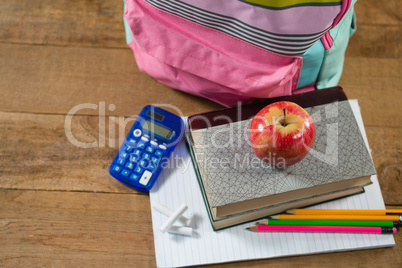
(344, 211)
(338, 217)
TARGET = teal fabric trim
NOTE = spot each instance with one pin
(332, 65)
(126, 27)
(312, 60)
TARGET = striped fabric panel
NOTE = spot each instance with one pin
(285, 44)
(285, 4)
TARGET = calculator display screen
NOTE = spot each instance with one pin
(157, 129)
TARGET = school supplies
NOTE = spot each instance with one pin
(344, 211)
(178, 184)
(148, 145)
(174, 216)
(323, 229)
(180, 230)
(238, 187)
(331, 223)
(168, 212)
(338, 217)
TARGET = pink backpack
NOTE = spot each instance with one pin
(232, 51)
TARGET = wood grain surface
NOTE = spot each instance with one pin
(59, 206)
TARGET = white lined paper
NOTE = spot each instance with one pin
(179, 185)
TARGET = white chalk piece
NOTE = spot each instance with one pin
(173, 218)
(168, 212)
(181, 230)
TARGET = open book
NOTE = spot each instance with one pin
(238, 187)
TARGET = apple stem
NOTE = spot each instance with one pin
(284, 117)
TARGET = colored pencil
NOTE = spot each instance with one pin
(338, 217)
(331, 223)
(344, 211)
(327, 229)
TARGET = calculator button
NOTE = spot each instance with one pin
(137, 152)
(125, 172)
(154, 160)
(154, 143)
(149, 149)
(138, 170)
(144, 139)
(135, 177)
(124, 155)
(129, 148)
(146, 156)
(132, 141)
(158, 153)
(145, 177)
(134, 158)
(163, 147)
(121, 161)
(141, 145)
(137, 133)
(143, 163)
(151, 167)
(130, 165)
(117, 168)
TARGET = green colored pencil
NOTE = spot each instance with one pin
(330, 223)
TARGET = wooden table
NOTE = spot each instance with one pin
(59, 206)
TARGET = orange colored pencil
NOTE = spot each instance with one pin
(344, 211)
(338, 217)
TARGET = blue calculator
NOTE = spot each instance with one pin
(147, 147)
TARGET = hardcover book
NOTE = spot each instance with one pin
(238, 187)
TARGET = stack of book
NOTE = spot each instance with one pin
(238, 187)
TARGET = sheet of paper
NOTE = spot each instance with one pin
(178, 184)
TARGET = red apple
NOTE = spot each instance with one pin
(282, 133)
